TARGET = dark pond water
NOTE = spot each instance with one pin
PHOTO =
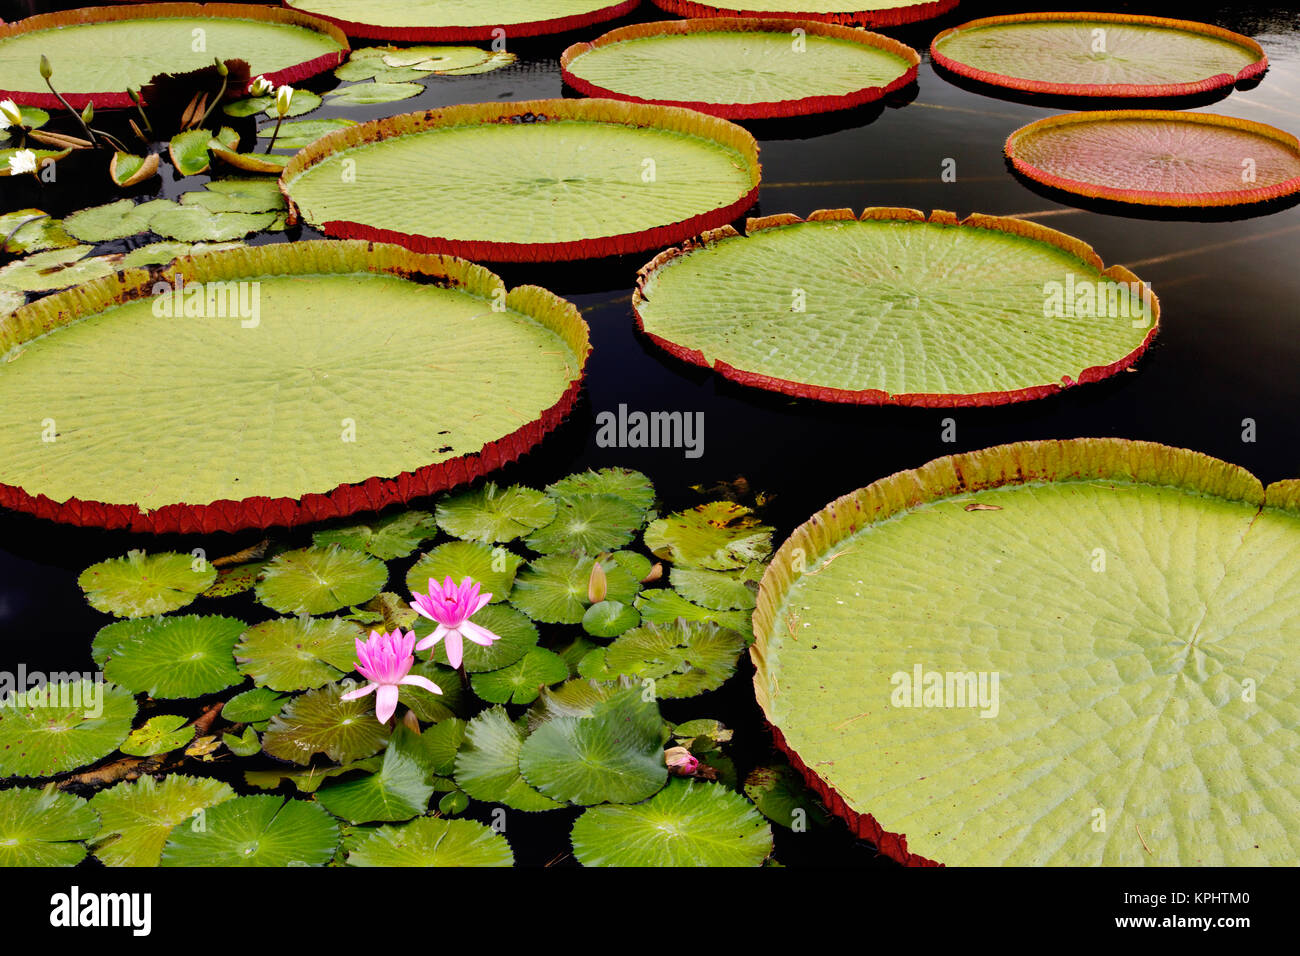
(1228, 351)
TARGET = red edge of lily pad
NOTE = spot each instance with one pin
(263, 512)
(1148, 197)
(478, 250)
(898, 16)
(533, 28)
(748, 111)
(1218, 81)
(874, 396)
(114, 99)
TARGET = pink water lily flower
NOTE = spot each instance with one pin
(451, 608)
(386, 660)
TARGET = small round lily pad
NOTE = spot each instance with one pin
(298, 653)
(43, 827)
(142, 585)
(171, 657)
(256, 831)
(320, 580)
(433, 842)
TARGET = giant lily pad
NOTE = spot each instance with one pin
(100, 52)
(171, 657)
(1078, 687)
(1159, 157)
(256, 831)
(446, 20)
(136, 818)
(741, 68)
(432, 842)
(142, 585)
(543, 180)
(325, 438)
(1098, 54)
(860, 13)
(61, 726)
(43, 827)
(686, 824)
(894, 309)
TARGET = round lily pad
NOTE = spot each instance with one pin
(858, 13)
(253, 706)
(588, 524)
(135, 818)
(62, 726)
(429, 841)
(296, 135)
(1159, 157)
(1046, 653)
(371, 94)
(894, 309)
(142, 585)
(117, 220)
(688, 823)
(324, 440)
(298, 653)
(487, 764)
(171, 657)
(495, 514)
(256, 831)
(320, 721)
(493, 568)
(393, 537)
(610, 619)
(43, 827)
(716, 590)
(398, 790)
(99, 53)
(522, 681)
(631, 486)
(741, 68)
(542, 180)
(516, 636)
(448, 20)
(554, 589)
(159, 735)
(1098, 54)
(320, 579)
(717, 536)
(683, 658)
(56, 269)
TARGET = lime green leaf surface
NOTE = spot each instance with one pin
(398, 791)
(495, 514)
(493, 568)
(588, 524)
(256, 831)
(395, 536)
(554, 588)
(135, 818)
(487, 764)
(62, 726)
(298, 653)
(717, 536)
(683, 658)
(159, 735)
(142, 585)
(320, 580)
(43, 828)
(171, 657)
(432, 842)
(320, 721)
(521, 682)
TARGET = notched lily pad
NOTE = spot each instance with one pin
(319, 580)
(320, 721)
(43, 827)
(143, 585)
(256, 831)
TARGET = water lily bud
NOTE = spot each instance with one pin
(411, 721)
(655, 574)
(681, 761)
(88, 113)
(23, 161)
(261, 86)
(222, 69)
(10, 114)
(597, 584)
(283, 97)
(47, 71)
(135, 97)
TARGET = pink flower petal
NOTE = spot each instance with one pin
(386, 702)
(415, 680)
(359, 692)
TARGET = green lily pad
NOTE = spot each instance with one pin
(518, 635)
(666, 606)
(521, 681)
(196, 224)
(610, 619)
(161, 253)
(32, 118)
(588, 524)
(128, 169)
(62, 726)
(613, 756)
(493, 514)
(31, 230)
(298, 653)
(688, 823)
(143, 585)
(171, 657)
(461, 20)
(637, 566)
(159, 735)
(319, 580)
(370, 94)
(573, 698)
(245, 745)
(441, 743)
(298, 134)
(574, 651)
(718, 536)
(189, 152)
(240, 194)
(388, 538)
(493, 568)
(437, 58)
(632, 486)
(487, 764)
(253, 706)
(235, 580)
(56, 269)
(368, 64)
(256, 831)
(320, 721)
(307, 779)
(135, 818)
(432, 842)
(554, 588)
(781, 795)
(385, 612)
(398, 790)
(43, 827)
(433, 707)
(683, 658)
(715, 590)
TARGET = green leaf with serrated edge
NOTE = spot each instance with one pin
(142, 585)
(298, 653)
(432, 842)
(441, 743)
(319, 721)
(588, 524)
(296, 135)
(521, 681)
(256, 831)
(117, 220)
(171, 657)
(306, 780)
(516, 633)
(715, 590)
(236, 580)
(636, 565)
(370, 94)
(487, 764)
(574, 651)
(665, 606)
(688, 823)
(632, 486)
(428, 707)
(497, 61)
(253, 706)
(385, 612)
(781, 796)
(453, 803)
(493, 514)
(613, 756)
(717, 536)
(593, 667)
(397, 791)
(245, 745)
(573, 698)
(395, 536)
(43, 827)
(553, 589)
(159, 735)
(493, 568)
(135, 818)
(61, 726)
(683, 658)
(610, 619)
(32, 230)
(319, 580)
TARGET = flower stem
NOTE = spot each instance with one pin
(89, 135)
(278, 121)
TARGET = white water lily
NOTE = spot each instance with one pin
(23, 161)
(261, 86)
(283, 97)
(10, 114)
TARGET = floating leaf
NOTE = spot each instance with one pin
(161, 253)
(256, 831)
(143, 585)
(319, 721)
(385, 612)
(553, 588)
(370, 94)
(432, 842)
(236, 580)
(609, 619)
(683, 659)
(437, 58)
(715, 590)
(688, 823)
(781, 796)
(62, 726)
(397, 791)
(307, 780)
(441, 743)
(319, 580)
(159, 735)
(396, 536)
(493, 568)
(245, 745)
(433, 707)
(127, 169)
(196, 224)
(31, 230)
(487, 764)
(517, 636)
(368, 64)
(521, 681)
(665, 606)
(588, 524)
(56, 269)
(436, 20)
(135, 818)
(171, 657)
(299, 134)
(632, 486)
(43, 827)
(189, 151)
(253, 706)
(298, 653)
(237, 195)
(718, 536)
(492, 514)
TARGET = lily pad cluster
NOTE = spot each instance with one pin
(602, 608)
